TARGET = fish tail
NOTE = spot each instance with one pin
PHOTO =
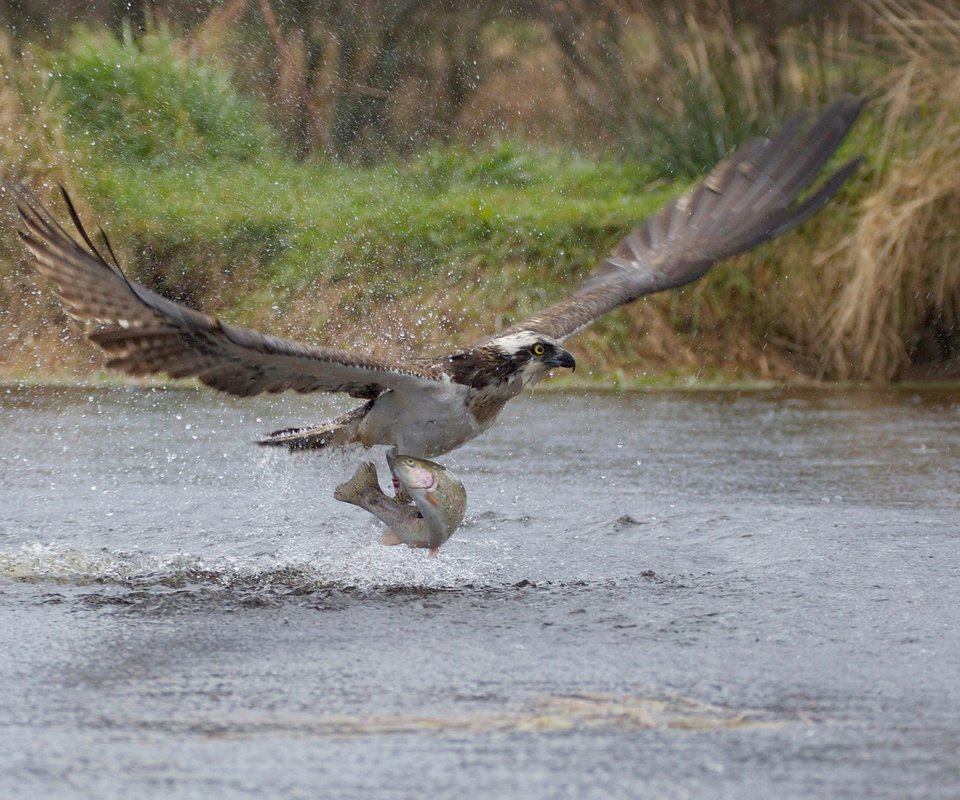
(356, 488)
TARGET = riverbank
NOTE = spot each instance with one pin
(426, 252)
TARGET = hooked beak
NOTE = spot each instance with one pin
(562, 358)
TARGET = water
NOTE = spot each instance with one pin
(716, 594)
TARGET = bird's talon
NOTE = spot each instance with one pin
(399, 494)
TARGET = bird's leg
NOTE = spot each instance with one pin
(399, 494)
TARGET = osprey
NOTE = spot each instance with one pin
(428, 406)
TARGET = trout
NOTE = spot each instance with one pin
(439, 500)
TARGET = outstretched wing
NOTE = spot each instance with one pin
(748, 198)
(146, 333)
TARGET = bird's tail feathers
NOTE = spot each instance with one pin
(338, 432)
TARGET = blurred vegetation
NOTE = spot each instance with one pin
(392, 174)
(149, 105)
(365, 79)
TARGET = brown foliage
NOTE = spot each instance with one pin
(897, 310)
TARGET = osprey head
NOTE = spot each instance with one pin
(530, 356)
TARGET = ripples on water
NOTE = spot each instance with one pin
(693, 594)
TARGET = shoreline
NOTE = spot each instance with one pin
(685, 383)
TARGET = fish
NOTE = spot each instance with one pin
(427, 510)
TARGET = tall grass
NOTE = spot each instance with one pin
(33, 144)
(682, 85)
(897, 307)
(33, 135)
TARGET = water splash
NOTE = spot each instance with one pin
(369, 568)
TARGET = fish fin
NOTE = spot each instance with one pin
(390, 538)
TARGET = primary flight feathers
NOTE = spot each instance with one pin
(747, 198)
(752, 196)
(147, 333)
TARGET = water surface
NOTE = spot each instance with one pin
(709, 594)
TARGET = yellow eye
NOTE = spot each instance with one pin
(538, 349)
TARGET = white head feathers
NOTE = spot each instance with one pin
(516, 342)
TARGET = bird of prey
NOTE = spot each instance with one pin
(428, 406)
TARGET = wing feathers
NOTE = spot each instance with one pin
(750, 197)
(147, 333)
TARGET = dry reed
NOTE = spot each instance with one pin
(897, 307)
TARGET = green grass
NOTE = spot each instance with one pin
(149, 102)
(388, 228)
(201, 204)
(193, 187)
